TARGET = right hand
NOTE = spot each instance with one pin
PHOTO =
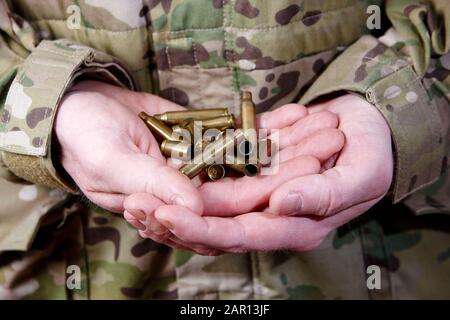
(110, 153)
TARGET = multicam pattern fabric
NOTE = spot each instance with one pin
(200, 53)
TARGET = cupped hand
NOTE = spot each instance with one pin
(361, 175)
(109, 152)
(306, 144)
(304, 210)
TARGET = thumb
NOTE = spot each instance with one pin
(141, 173)
(325, 194)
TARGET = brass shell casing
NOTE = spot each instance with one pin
(187, 126)
(220, 123)
(158, 128)
(248, 123)
(248, 112)
(177, 150)
(216, 172)
(212, 151)
(176, 117)
(266, 149)
(245, 148)
(245, 168)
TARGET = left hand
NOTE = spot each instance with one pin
(304, 210)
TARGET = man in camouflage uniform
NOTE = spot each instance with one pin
(201, 53)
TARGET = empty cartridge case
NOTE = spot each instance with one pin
(239, 165)
(216, 172)
(248, 112)
(248, 123)
(187, 124)
(212, 151)
(158, 128)
(189, 130)
(177, 150)
(209, 136)
(176, 117)
(266, 149)
(245, 148)
(220, 123)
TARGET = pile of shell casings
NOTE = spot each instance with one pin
(207, 140)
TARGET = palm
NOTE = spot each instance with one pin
(110, 153)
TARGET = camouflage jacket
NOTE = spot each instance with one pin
(200, 53)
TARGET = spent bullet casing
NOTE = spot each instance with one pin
(248, 112)
(216, 172)
(241, 166)
(220, 123)
(157, 127)
(188, 129)
(212, 151)
(248, 123)
(176, 117)
(177, 150)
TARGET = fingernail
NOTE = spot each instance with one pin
(138, 214)
(142, 227)
(179, 201)
(166, 224)
(292, 204)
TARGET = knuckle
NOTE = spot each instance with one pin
(328, 118)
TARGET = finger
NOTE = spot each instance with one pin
(281, 117)
(172, 241)
(136, 101)
(142, 206)
(326, 194)
(256, 231)
(139, 173)
(161, 239)
(198, 249)
(319, 107)
(236, 196)
(305, 127)
(140, 212)
(134, 221)
(322, 144)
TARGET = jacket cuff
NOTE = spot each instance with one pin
(32, 102)
(389, 82)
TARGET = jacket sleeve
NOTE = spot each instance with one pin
(406, 75)
(34, 75)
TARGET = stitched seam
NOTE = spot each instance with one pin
(88, 28)
(381, 102)
(363, 251)
(386, 254)
(43, 150)
(197, 66)
(150, 48)
(225, 48)
(296, 59)
(169, 63)
(265, 28)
